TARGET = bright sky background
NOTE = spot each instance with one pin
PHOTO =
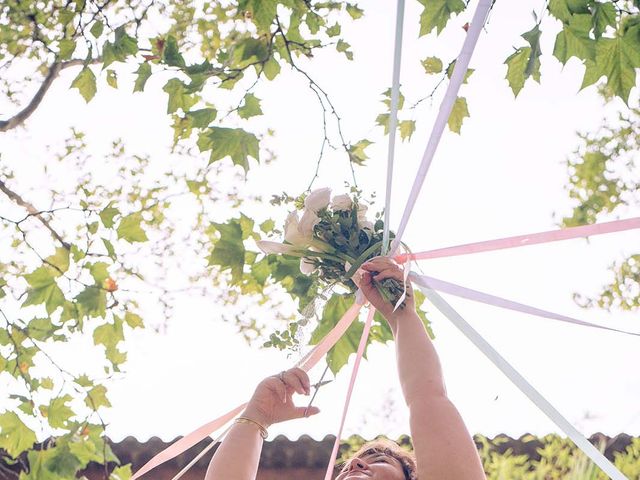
(503, 176)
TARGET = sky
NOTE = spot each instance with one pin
(504, 175)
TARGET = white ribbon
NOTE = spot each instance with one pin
(525, 387)
(393, 123)
(457, 78)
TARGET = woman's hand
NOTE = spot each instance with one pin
(376, 270)
(272, 400)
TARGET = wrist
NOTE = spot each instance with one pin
(256, 416)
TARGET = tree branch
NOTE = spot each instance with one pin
(55, 69)
(32, 211)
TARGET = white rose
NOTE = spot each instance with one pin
(292, 233)
(307, 267)
(307, 222)
(274, 247)
(318, 199)
(341, 202)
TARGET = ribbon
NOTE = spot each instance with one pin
(354, 374)
(393, 122)
(306, 363)
(525, 387)
(476, 296)
(457, 78)
(524, 240)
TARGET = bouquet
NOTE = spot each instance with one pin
(333, 238)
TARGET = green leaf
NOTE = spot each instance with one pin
(202, 118)
(261, 271)
(262, 12)
(467, 74)
(112, 78)
(333, 311)
(121, 473)
(133, 320)
(458, 114)
(44, 289)
(97, 28)
(15, 436)
(85, 82)
(604, 15)
(60, 260)
(383, 121)
(355, 11)
(437, 13)
(574, 40)
(357, 152)
(228, 251)
(99, 271)
(560, 10)
(230, 142)
(97, 397)
(144, 72)
(344, 47)
(92, 301)
(118, 51)
(617, 58)
(432, 65)
(109, 247)
(271, 68)
(250, 107)
(533, 64)
(129, 228)
(517, 64)
(171, 54)
(419, 301)
(387, 99)
(407, 127)
(249, 51)
(107, 214)
(178, 96)
(58, 413)
(267, 227)
(334, 30)
(313, 21)
(66, 47)
(86, 451)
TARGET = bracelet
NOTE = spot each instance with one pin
(263, 431)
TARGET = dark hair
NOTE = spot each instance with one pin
(392, 449)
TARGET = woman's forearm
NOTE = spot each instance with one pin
(443, 446)
(238, 455)
(419, 367)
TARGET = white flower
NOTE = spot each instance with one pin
(292, 232)
(307, 267)
(274, 247)
(318, 199)
(341, 202)
(307, 222)
(362, 214)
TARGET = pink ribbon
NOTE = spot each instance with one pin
(306, 363)
(354, 374)
(524, 240)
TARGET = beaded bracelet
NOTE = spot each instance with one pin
(263, 431)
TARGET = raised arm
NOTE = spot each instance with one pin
(238, 456)
(443, 446)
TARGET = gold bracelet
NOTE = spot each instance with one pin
(263, 431)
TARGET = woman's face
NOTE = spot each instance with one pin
(374, 466)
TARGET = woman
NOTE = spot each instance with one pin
(443, 448)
